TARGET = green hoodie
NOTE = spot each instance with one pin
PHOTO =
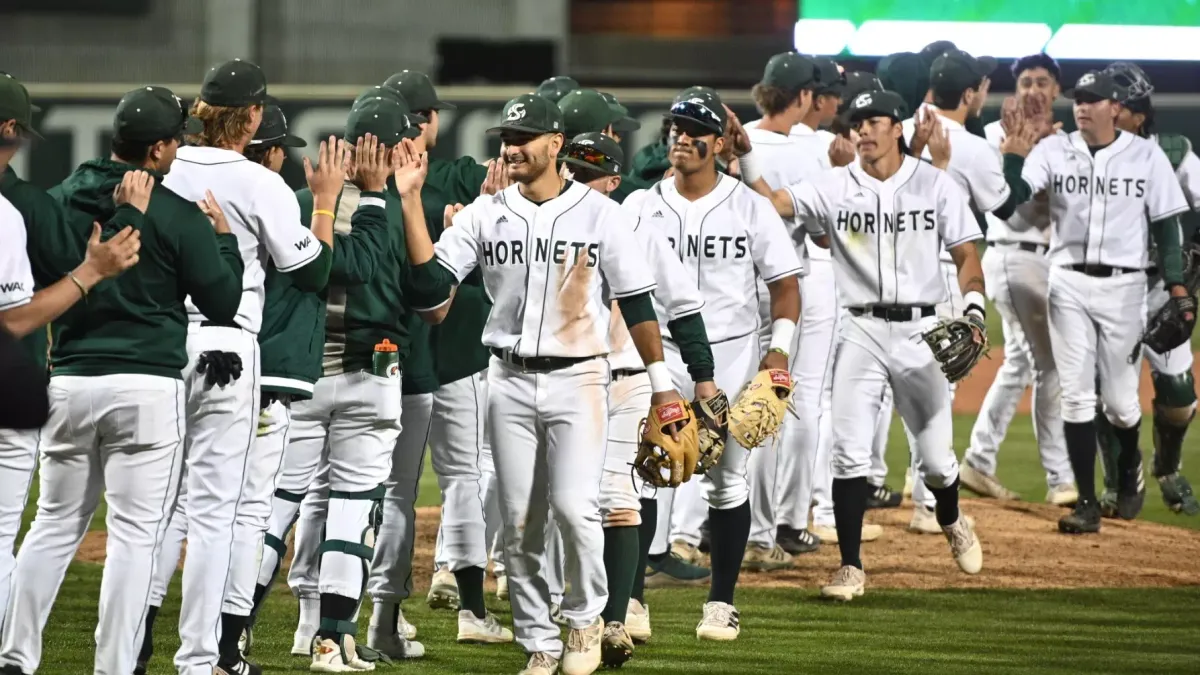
(650, 163)
(137, 323)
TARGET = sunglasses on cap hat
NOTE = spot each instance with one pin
(592, 156)
(696, 119)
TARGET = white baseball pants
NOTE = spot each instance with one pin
(116, 435)
(1094, 324)
(1017, 283)
(458, 445)
(221, 427)
(549, 431)
(18, 459)
(391, 568)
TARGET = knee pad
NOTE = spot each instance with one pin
(364, 548)
(1174, 398)
(622, 518)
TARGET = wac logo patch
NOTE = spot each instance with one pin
(12, 286)
(302, 244)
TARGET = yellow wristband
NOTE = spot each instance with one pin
(78, 283)
(323, 212)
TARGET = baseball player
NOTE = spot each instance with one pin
(1110, 193)
(1017, 271)
(1171, 373)
(117, 391)
(225, 542)
(727, 237)
(888, 287)
(588, 111)
(547, 385)
(555, 88)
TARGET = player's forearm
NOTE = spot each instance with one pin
(1020, 190)
(970, 273)
(642, 322)
(49, 303)
(1168, 242)
(322, 219)
(689, 334)
(432, 289)
(785, 298)
(416, 233)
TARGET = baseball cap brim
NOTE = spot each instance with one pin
(584, 165)
(521, 128)
(626, 123)
(290, 141)
(415, 119)
(987, 65)
(442, 105)
(30, 132)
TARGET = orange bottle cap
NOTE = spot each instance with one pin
(386, 346)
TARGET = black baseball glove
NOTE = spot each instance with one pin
(1171, 326)
(219, 368)
(958, 344)
(712, 415)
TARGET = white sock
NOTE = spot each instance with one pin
(381, 613)
(310, 611)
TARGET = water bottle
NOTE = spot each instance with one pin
(386, 361)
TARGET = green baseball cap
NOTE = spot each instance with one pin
(234, 84)
(384, 91)
(703, 107)
(595, 150)
(931, 51)
(906, 74)
(857, 81)
(16, 105)
(957, 70)
(626, 123)
(1097, 85)
(416, 88)
(274, 130)
(554, 88)
(696, 90)
(831, 77)
(791, 72)
(585, 110)
(532, 114)
(150, 114)
(876, 104)
(381, 117)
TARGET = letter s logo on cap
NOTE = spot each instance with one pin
(1088, 78)
(515, 113)
(863, 100)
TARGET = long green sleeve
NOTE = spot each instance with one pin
(690, 335)
(430, 284)
(1021, 193)
(211, 269)
(637, 308)
(1168, 242)
(313, 276)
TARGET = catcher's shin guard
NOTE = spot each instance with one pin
(358, 512)
(1174, 408)
(285, 513)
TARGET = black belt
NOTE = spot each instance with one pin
(1039, 249)
(218, 324)
(1152, 271)
(622, 373)
(538, 363)
(1102, 270)
(895, 312)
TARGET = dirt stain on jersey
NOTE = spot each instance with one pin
(573, 293)
(618, 332)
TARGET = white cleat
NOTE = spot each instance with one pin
(443, 591)
(1063, 494)
(848, 583)
(582, 655)
(331, 657)
(540, 663)
(965, 545)
(687, 552)
(924, 521)
(303, 639)
(828, 534)
(394, 646)
(984, 484)
(485, 631)
(246, 641)
(721, 622)
(502, 587)
(637, 621)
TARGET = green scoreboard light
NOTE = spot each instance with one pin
(1159, 30)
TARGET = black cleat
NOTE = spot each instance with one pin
(240, 667)
(796, 541)
(882, 497)
(1178, 496)
(1085, 519)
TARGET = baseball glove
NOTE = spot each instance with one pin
(661, 460)
(712, 414)
(757, 414)
(1170, 327)
(956, 345)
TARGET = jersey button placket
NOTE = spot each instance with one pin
(536, 287)
(886, 244)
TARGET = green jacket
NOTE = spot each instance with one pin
(457, 343)
(137, 323)
(293, 329)
(650, 163)
(52, 247)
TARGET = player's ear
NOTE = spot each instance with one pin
(556, 144)
(718, 145)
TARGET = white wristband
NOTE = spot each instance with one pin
(783, 331)
(660, 377)
(976, 298)
(746, 166)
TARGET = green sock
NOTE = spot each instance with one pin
(1110, 450)
(621, 565)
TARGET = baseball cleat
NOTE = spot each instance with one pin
(443, 591)
(984, 484)
(1083, 519)
(705, 545)
(1177, 495)
(1108, 503)
(403, 627)
(796, 541)
(246, 641)
(924, 521)
(302, 640)
(394, 645)
(485, 631)
(1131, 491)
(671, 571)
(502, 587)
(617, 645)
(964, 545)
(720, 623)
(637, 621)
(1063, 494)
(583, 649)
(827, 534)
(138, 669)
(687, 553)
(241, 667)
(760, 558)
(540, 663)
(337, 657)
(882, 497)
(848, 583)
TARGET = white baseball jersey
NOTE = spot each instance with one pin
(727, 239)
(1188, 174)
(551, 269)
(675, 296)
(886, 236)
(1030, 222)
(808, 147)
(1102, 206)
(262, 211)
(16, 277)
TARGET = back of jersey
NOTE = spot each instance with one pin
(262, 211)
(785, 160)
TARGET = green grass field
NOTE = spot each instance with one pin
(789, 630)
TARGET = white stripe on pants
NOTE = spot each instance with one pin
(18, 458)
